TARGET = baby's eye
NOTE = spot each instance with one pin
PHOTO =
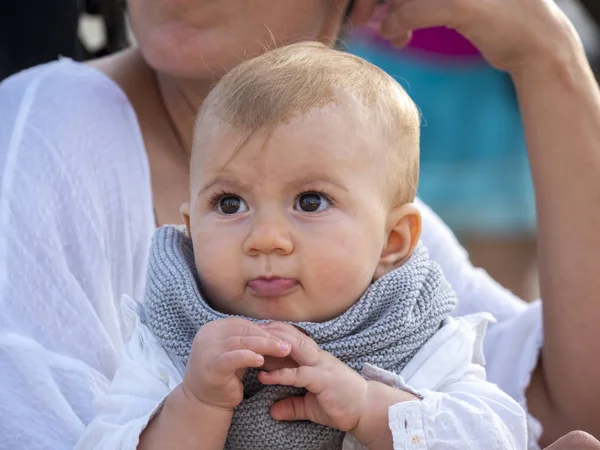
(312, 202)
(231, 204)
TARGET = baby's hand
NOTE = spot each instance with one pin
(337, 396)
(221, 352)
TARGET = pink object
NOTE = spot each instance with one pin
(442, 41)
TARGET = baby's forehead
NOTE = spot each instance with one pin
(291, 158)
(336, 128)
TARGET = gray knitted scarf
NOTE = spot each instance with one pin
(386, 327)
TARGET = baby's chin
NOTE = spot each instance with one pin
(274, 310)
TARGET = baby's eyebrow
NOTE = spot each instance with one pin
(318, 178)
(226, 182)
(234, 184)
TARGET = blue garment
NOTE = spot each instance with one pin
(474, 167)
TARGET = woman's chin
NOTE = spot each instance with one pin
(185, 52)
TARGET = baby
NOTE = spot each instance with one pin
(297, 309)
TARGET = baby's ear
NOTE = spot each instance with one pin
(404, 231)
(184, 210)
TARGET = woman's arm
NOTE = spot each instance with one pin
(560, 104)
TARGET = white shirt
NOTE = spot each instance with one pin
(76, 222)
(458, 409)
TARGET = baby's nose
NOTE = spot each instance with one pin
(269, 235)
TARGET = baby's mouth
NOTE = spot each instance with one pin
(270, 287)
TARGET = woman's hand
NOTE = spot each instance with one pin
(511, 34)
(337, 396)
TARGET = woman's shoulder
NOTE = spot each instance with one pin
(62, 83)
(71, 107)
(70, 146)
(70, 118)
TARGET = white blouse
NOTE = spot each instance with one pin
(76, 222)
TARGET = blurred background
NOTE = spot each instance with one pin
(33, 32)
(474, 169)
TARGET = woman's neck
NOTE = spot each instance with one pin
(181, 100)
(166, 109)
(158, 98)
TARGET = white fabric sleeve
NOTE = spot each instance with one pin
(476, 290)
(467, 413)
(75, 229)
(513, 343)
(144, 379)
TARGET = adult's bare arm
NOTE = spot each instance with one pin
(560, 104)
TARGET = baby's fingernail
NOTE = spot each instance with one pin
(284, 346)
(260, 359)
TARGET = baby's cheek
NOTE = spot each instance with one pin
(345, 272)
(218, 270)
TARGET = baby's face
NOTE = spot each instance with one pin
(291, 227)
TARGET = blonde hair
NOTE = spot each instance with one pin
(271, 89)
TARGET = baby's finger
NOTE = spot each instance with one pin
(228, 363)
(310, 378)
(290, 408)
(274, 363)
(272, 345)
(217, 330)
(236, 326)
(304, 351)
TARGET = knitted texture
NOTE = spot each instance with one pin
(386, 327)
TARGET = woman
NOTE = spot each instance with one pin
(96, 156)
